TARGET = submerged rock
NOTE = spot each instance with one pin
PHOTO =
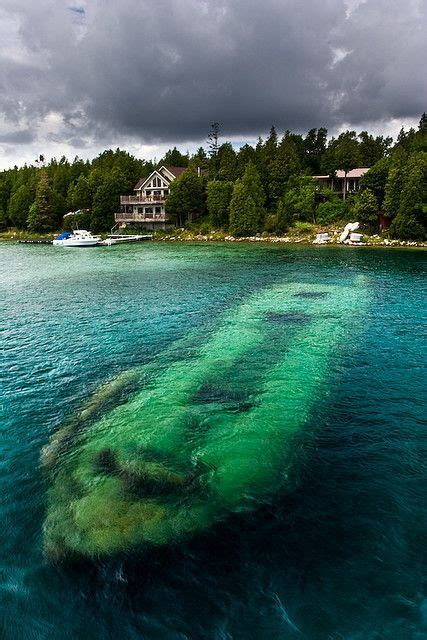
(210, 433)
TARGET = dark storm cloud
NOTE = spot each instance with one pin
(162, 71)
(18, 137)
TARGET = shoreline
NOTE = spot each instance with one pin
(292, 239)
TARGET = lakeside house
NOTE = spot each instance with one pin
(340, 183)
(147, 205)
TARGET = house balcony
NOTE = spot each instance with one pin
(140, 217)
(142, 199)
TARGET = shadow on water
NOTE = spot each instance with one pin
(338, 557)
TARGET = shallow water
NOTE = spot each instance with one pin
(341, 555)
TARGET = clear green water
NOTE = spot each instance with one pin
(317, 535)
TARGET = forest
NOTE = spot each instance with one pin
(267, 187)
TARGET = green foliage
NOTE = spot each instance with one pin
(299, 199)
(314, 148)
(285, 217)
(376, 178)
(247, 203)
(105, 200)
(19, 206)
(42, 215)
(342, 153)
(185, 200)
(334, 210)
(285, 164)
(393, 187)
(407, 227)
(3, 218)
(372, 149)
(227, 162)
(366, 208)
(174, 158)
(218, 202)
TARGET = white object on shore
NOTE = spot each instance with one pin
(78, 238)
(355, 237)
(351, 226)
(117, 238)
(321, 238)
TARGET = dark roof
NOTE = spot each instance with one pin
(140, 182)
(176, 171)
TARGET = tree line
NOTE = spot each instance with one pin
(264, 187)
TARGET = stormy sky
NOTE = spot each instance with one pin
(80, 76)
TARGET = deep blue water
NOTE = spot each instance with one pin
(340, 557)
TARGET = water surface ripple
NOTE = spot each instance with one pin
(339, 557)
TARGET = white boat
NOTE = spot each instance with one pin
(77, 238)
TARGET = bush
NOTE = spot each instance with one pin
(332, 211)
(303, 227)
(407, 227)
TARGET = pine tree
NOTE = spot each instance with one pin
(19, 206)
(185, 200)
(285, 164)
(218, 202)
(247, 203)
(42, 214)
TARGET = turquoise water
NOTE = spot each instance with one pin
(338, 556)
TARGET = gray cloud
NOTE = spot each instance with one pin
(24, 136)
(158, 71)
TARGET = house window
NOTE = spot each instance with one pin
(166, 192)
(158, 209)
(148, 210)
(140, 210)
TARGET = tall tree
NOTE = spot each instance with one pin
(314, 148)
(185, 200)
(285, 164)
(342, 153)
(366, 208)
(218, 202)
(42, 214)
(376, 178)
(106, 200)
(247, 203)
(19, 206)
(213, 146)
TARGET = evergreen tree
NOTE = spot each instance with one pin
(185, 200)
(366, 208)
(394, 184)
(42, 214)
(247, 203)
(285, 164)
(19, 206)
(376, 178)
(299, 199)
(342, 153)
(3, 218)
(174, 158)
(227, 162)
(314, 148)
(218, 202)
(372, 149)
(213, 146)
(106, 200)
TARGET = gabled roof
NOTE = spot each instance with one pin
(176, 171)
(354, 173)
(167, 173)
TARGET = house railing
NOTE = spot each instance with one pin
(140, 217)
(141, 199)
